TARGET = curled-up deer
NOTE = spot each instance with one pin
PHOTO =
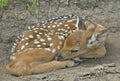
(57, 43)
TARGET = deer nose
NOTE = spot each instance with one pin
(58, 58)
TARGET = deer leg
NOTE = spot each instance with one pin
(22, 64)
(18, 68)
(21, 68)
(50, 66)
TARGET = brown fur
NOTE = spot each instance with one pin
(75, 46)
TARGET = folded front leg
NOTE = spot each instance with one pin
(20, 68)
(50, 66)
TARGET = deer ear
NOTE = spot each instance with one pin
(80, 24)
(102, 35)
(98, 38)
(90, 26)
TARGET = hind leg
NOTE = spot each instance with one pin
(21, 65)
(18, 68)
(24, 64)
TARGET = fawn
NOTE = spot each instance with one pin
(56, 43)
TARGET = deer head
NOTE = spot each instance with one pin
(80, 42)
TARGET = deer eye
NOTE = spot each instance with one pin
(74, 50)
(91, 42)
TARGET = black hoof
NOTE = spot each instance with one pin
(76, 62)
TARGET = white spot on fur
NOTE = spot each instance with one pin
(36, 31)
(70, 32)
(59, 29)
(57, 32)
(60, 23)
(23, 36)
(53, 50)
(63, 29)
(36, 42)
(49, 39)
(44, 43)
(12, 57)
(47, 35)
(22, 47)
(42, 40)
(44, 26)
(33, 26)
(38, 35)
(48, 49)
(38, 46)
(55, 22)
(70, 20)
(61, 37)
(66, 25)
(66, 31)
(53, 26)
(74, 31)
(41, 28)
(48, 26)
(58, 47)
(26, 44)
(30, 48)
(51, 44)
(22, 39)
(26, 38)
(51, 21)
(31, 36)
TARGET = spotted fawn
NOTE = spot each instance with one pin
(56, 43)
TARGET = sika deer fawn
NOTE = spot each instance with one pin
(87, 43)
(55, 44)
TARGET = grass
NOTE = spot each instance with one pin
(3, 3)
(32, 6)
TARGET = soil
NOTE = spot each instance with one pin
(16, 17)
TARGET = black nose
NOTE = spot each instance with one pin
(58, 58)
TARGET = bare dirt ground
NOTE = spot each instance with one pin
(15, 18)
